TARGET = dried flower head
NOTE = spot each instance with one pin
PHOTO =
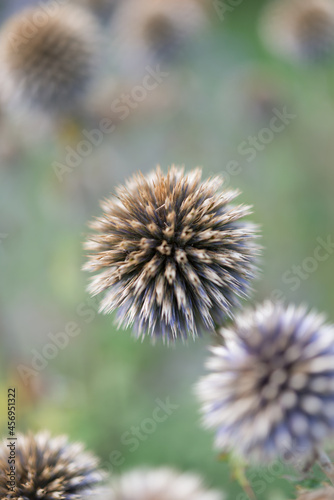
(326, 493)
(160, 484)
(299, 29)
(47, 57)
(271, 390)
(156, 30)
(172, 254)
(47, 469)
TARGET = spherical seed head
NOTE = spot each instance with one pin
(160, 484)
(172, 254)
(47, 57)
(48, 469)
(156, 30)
(270, 392)
(300, 29)
(326, 493)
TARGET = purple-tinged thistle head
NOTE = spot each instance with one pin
(270, 391)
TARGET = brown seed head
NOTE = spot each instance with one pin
(47, 58)
(171, 254)
(48, 468)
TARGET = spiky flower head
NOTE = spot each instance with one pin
(326, 493)
(156, 30)
(270, 392)
(172, 254)
(160, 484)
(47, 57)
(301, 30)
(47, 468)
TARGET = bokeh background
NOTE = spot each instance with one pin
(223, 88)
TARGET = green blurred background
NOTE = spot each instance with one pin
(104, 384)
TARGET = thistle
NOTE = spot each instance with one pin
(156, 30)
(47, 61)
(171, 253)
(159, 484)
(270, 393)
(48, 468)
(301, 30)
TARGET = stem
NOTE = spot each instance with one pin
(326, 465)
(239, 473)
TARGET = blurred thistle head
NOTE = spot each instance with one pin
(156, 30)
(47, 57)
(270, 392)
(160, 484)
(172, 254)
(301, 30)
(48, 469)
(326, 493)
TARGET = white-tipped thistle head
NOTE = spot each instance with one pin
(159, 484)
(270, 390)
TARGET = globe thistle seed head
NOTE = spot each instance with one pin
(301, 30)
(270, 392)
(48, 469)
(155, 30)
(47, 60)
(172, 254)
(326, 493)
(160, 484)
